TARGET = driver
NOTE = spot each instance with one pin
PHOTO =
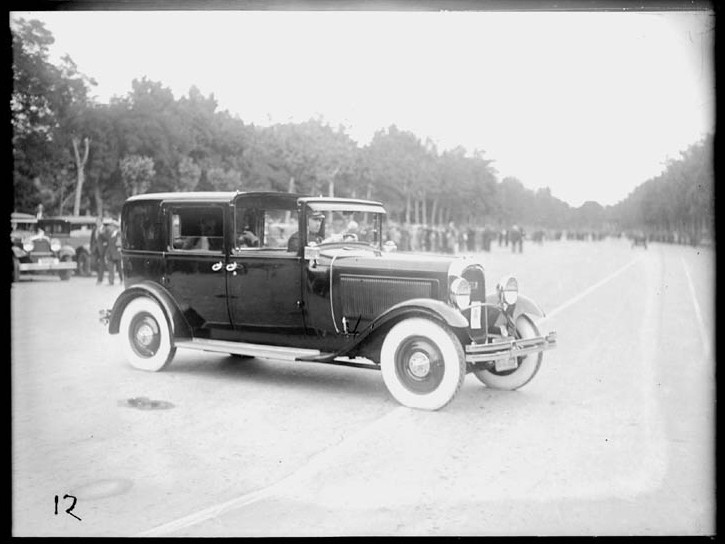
(314, 231)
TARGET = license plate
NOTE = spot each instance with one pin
(48, 260)
(476, 316)
(505, 364)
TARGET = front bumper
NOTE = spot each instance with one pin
(53, 266)
(478, 353)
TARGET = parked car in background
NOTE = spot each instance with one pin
(339, 294)
(33, 251)
(75, 234)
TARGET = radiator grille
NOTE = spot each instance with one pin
(41, 246)
(369, 297)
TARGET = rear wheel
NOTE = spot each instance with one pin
(526, 366)
(145, 335)
(422, 363)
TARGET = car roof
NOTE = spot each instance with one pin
(77, 219)
(22, 217)
(206, 196)
(229, 196)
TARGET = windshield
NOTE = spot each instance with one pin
(345, 226)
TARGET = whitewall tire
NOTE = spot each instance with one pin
(145, 335)
(527, 366)
(422, 363)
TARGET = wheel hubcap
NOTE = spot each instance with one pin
(419, 365)
(145, 335)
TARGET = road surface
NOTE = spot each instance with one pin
(614, 436)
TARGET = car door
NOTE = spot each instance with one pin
(263, 278)
(195, 265)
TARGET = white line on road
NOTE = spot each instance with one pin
(588, 291)
(318, 461)
(698, 314)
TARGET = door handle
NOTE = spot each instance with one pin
(231, 267)
(216, 267)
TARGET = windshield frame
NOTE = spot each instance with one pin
(369, 218)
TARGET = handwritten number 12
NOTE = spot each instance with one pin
(69, 509)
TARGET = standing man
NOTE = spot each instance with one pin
(113, 253)
(99, 249)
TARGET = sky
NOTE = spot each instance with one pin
(589, 104)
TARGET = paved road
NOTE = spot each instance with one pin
(615, 435)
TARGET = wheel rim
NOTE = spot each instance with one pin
(144, 335)
(419, 365)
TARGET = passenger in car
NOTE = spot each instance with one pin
(315, 232)
(247, 238)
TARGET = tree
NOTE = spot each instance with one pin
(47, 104)
(137, 173)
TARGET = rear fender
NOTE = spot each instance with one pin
(179, 326)
(369, 341)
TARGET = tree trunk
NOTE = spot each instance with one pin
(407, 207)
(99, 200)
(81, 171)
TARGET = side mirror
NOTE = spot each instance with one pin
(390, 246)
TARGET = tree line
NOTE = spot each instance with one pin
(73, 155)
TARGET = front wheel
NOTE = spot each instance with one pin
(84, 264)
(526, 367)
(422, 363)
(145, 335)
(66, 274)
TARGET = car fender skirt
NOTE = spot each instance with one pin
(524, 305)
(179, 326)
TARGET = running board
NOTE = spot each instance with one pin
(253, 350)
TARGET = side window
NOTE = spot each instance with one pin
(197, 229)
(141, 229)
(263, 228)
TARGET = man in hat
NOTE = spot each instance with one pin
(314, 231)
(113, 252)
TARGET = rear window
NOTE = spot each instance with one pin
(141, 227)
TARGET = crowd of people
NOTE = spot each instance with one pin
(454, 239)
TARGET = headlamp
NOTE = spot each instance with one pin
(508, 290)
(55, 245)
(460, 292)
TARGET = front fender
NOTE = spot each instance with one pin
(417, 307)
(179, 326)
(524, 305)
(66, 251)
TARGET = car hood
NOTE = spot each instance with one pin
(362, 261)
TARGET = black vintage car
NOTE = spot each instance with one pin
(310, 279)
